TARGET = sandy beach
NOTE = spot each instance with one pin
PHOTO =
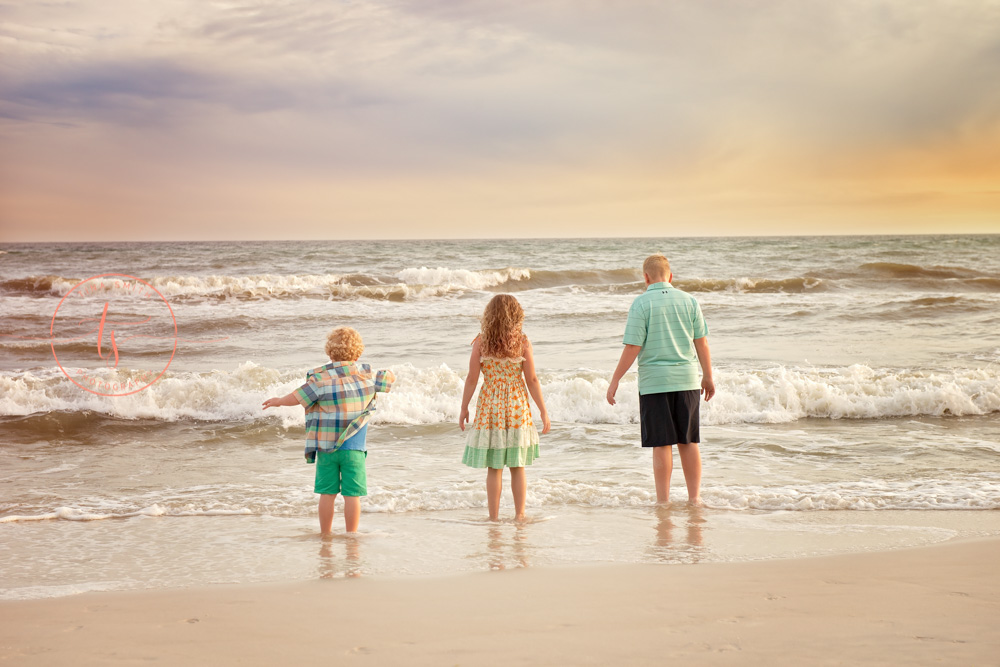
(932, 605)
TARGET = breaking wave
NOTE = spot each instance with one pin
(432, 395)
(426, 282)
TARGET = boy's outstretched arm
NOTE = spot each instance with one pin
(627, 359)
(705, 357)
(284, 400)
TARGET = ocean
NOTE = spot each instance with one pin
(858, 405)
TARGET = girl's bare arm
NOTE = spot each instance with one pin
(534, 386)
(471, 380)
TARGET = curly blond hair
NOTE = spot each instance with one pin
(344, 344)
(501, 327)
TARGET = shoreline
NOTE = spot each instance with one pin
(922, 605)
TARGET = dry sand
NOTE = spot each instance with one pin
(934, 605)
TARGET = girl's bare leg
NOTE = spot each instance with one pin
(691, 462)
(352, 513)
(519, 487)
(494, 487)
(663, 466)
(326, 512)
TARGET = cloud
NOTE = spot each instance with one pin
(642, 102)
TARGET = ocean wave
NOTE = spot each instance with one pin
(938, 277)
(425, 282)
(432, 395)
(754, 285)
(407, 284)
(461, 278)
(972, 493)
(923, 307)
(87, 514)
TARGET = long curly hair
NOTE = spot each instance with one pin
(501, 327)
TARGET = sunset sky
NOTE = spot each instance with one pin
(175, 119)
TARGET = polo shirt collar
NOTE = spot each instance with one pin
(660, 285)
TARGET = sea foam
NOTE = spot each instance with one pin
(432, 395)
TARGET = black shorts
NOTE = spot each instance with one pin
(670, 418)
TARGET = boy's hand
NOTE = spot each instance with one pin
(463, 418)
(707, 388)
(612, 390)
(272, 403)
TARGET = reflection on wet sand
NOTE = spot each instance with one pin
(502, 553)
(665, 546)
(331, 567)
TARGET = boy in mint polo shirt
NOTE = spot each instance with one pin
(339, 399)
(667, 333)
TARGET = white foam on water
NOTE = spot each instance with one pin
(59, 591)
(865, 495)
(60, 468)
(461, 278)
(969, 493)
(413, 283)
(432, 395)
(156, 510)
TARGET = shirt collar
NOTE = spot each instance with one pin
(338, 368)
(660, 285)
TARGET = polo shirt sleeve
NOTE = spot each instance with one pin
(700, 327)
(636, 326)
(384, 380)
(307, 394)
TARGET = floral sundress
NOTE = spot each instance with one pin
(503, 433)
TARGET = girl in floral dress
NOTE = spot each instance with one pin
(503, 433)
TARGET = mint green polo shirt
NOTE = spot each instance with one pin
(665, 322)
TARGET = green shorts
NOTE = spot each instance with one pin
(342, 471)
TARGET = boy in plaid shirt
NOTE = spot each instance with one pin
(339, 399)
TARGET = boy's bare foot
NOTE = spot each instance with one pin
(695, 501)
(519, 518)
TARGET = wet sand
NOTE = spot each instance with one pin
(932, 605)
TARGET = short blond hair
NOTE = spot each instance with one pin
(656, 266)
(344, 344)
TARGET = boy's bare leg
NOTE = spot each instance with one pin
(691, 463)
(663, 466)
(326, 512)
(352, 513)
(519, 487)
(494, 487)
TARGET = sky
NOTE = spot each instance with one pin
(287, 119)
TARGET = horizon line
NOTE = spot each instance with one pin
(513, 238)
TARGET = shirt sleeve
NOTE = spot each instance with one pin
(306, 394)
(635, 327)
(384, 380)
(700, 326)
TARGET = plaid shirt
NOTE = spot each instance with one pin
(339, 399)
